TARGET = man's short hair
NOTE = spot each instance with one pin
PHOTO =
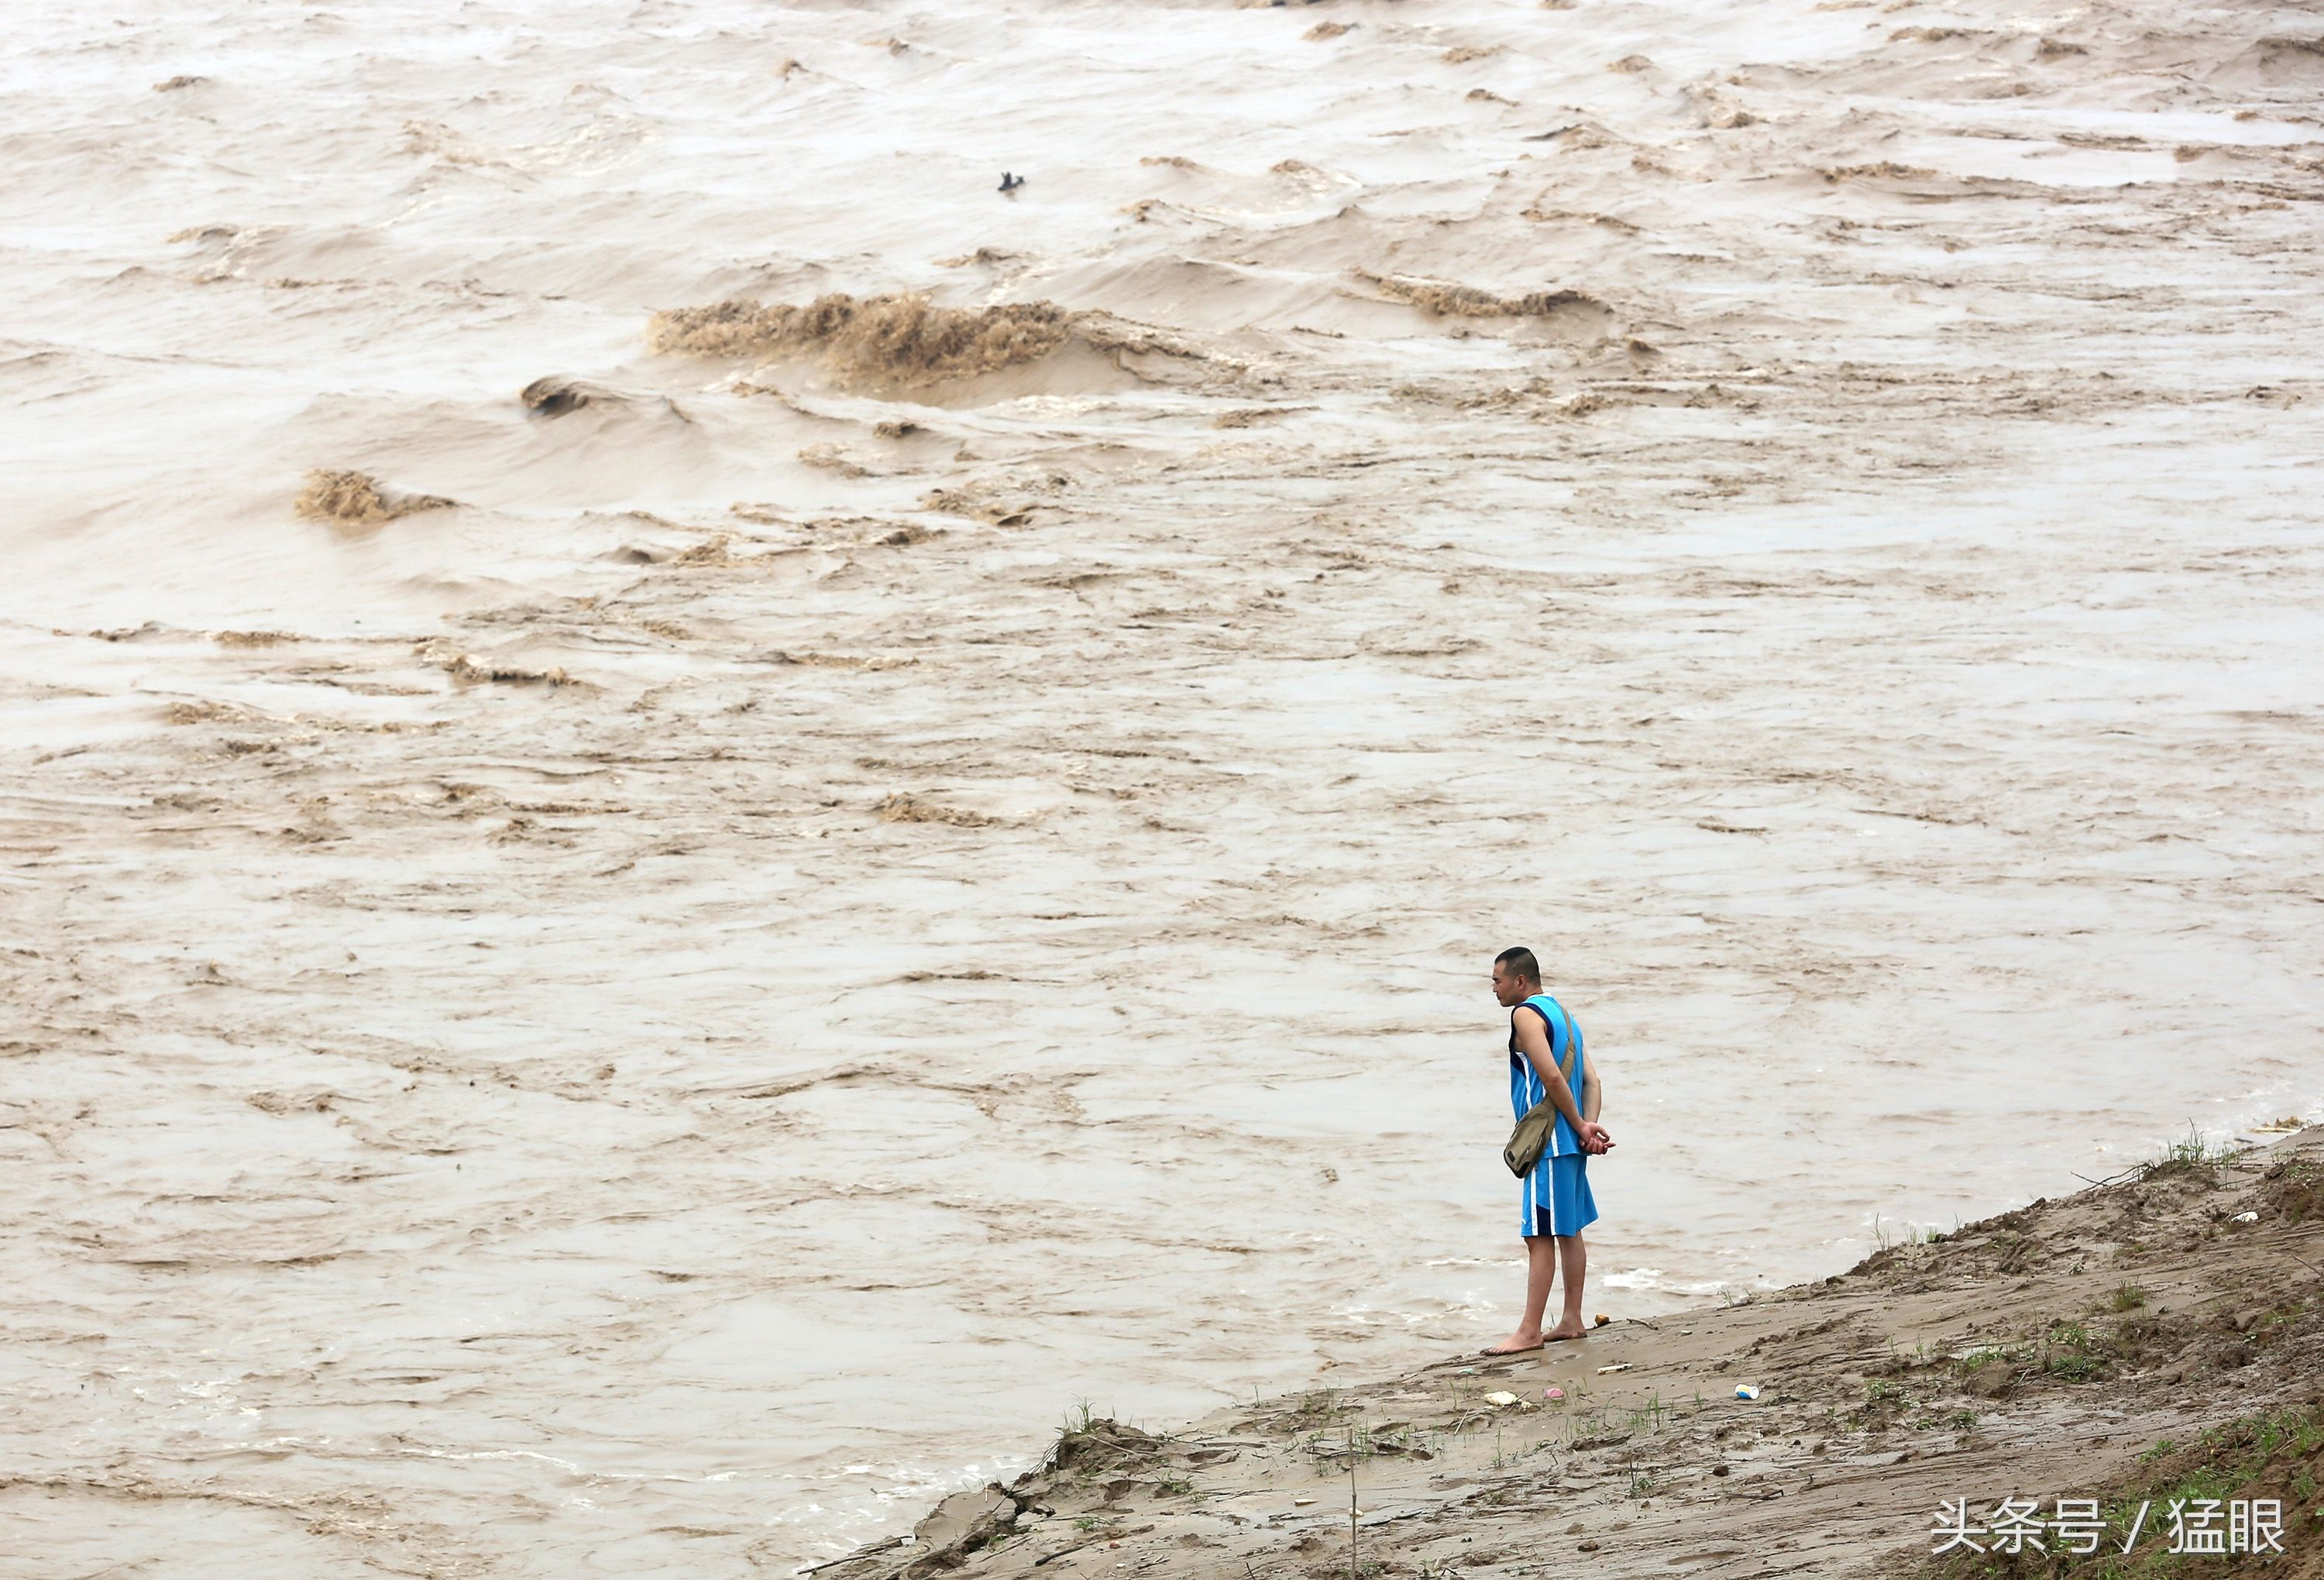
(1521, 964)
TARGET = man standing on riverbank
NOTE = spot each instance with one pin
(1557, 1206)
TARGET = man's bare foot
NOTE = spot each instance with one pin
(1570, 1328)
(1516, 1343)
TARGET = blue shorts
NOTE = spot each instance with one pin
(1557, 1199)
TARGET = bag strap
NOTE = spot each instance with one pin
(1572, 1044)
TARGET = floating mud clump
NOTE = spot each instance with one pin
(900, 339)
(356, 497)
(905, 807)
(1888, 170)
(555, 395)
(1466, 302)
(470, 671)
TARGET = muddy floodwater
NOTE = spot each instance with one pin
(702, 821)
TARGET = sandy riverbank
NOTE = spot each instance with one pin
(2118, 1343)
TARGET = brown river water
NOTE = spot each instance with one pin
(878, 876)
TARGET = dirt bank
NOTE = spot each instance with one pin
(2142, 1339)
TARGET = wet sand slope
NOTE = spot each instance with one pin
(2149, 1342)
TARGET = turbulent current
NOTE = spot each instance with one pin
(702, 821)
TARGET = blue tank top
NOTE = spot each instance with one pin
(1525, 1088)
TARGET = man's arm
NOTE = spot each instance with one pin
(1593, 1095)
(1532, 1034)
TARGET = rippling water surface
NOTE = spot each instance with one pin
(836, 903)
